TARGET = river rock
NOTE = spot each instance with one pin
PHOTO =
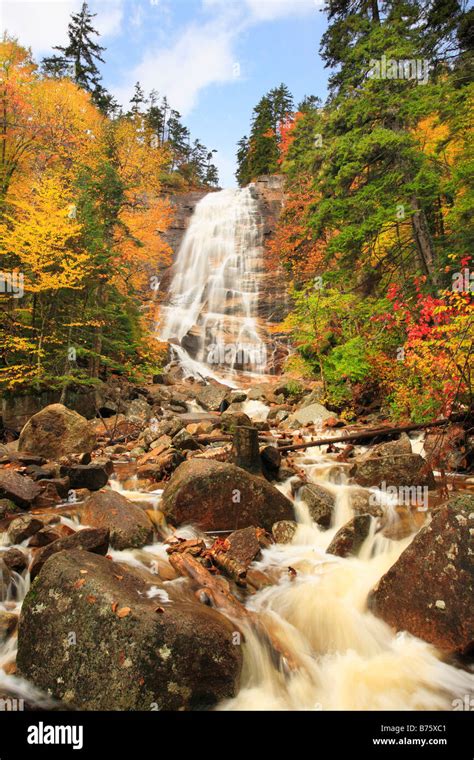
(129, 525)
(430, 588)
(400, 470)
(320, 503)
(313, 414)
(8, 624)
(221, 496)
(184, 441)
(95, 540)
(283, 531)
(212, 396)
(23, 527)
(20, 489)
(159, 467)
(350, 537)
(243, 546)
(139, 411)
(129, 653)
(389, 448)
(271, 460)
(90, 476)
(7, 507)
(15, 559)
(5, 580)
(56, 431)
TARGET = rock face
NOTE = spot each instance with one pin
(56, 431)
(404, 470)
(129, 525)
(429, 590)
(127, 653)
(17, 488)
(221, 496)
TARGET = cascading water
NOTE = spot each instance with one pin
(211, 314)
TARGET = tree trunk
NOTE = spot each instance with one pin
(423, 241)
(245, 449)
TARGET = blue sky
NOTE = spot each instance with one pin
(213, 59)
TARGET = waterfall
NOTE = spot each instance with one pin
(211, 313)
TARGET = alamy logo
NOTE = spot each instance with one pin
(11, 704)
(406, 68)
(410, 496)
(42, 734)
(12, 284)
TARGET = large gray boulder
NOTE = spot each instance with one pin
(92, 637)
(221, 496)
(313, 414)
(55, 432)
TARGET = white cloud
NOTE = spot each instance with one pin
(266, 10)
(40, 24)
(201, 55)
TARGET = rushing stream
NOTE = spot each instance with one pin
(346, 659)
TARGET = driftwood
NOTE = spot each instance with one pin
(365, 435)
(216, 589)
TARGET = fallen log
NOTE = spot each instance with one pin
(365, 435)
(216, 589)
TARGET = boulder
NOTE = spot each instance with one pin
(320, 503)
(139, 411)
(159, 467)
(8, 624)
(389, 448)
(56, 431)
(7, 507)
(15, 559)
(90, 476)
(5, 580)
(20, 489)
(211, 396)
(313, 414)
(129, 525)
(128, 653)
(221, 496)
(349, 539)
(404, 470)
(48, 496)
(95, 540)
(23, 527)
(430, 588)
(271, 460)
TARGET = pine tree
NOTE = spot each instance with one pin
(137, 100)
(80, 56)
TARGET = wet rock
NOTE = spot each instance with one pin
(211, 396)
(320, 503)
(129, 525)
(429, 590)
(56, 431)
(15, 559)
(449, 450)
(362, 502)
(23, 527)
(20, 489)
(400, 470)
(44, 537)
(185, 442)
(271, 460)
(221, 496)
(244, 546)
(238, 397)
(160, 467)
(8, 624)
(402, 446)
(316, 396)
(48, 496)
(283, 531)
(95, 540)
(164, 442)
(7, 507)
(349, 539)
(90, 476)
(128, 653)
(231, 420)
(313, 414)
(5, 580)
(139, 411)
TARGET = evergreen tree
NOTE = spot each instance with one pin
(137, 100)
(80, 54)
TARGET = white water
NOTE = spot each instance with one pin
(213, 298)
